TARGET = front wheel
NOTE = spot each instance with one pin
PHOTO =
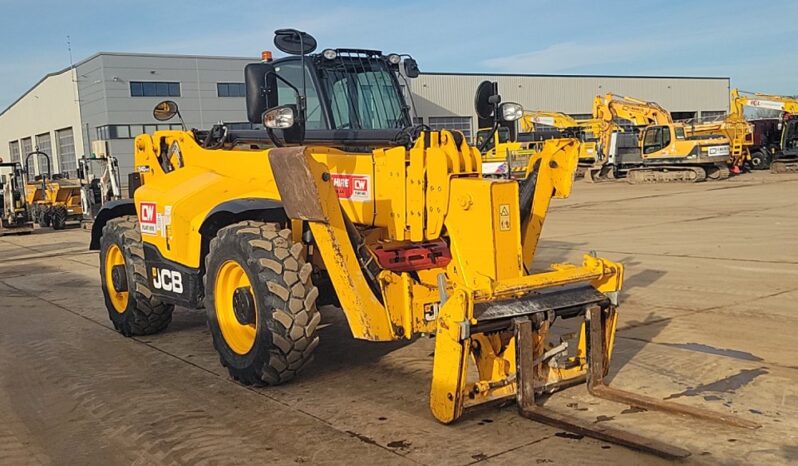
(131, 305)
(760, 160)
(260, 303)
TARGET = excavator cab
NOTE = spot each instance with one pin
(656, 139)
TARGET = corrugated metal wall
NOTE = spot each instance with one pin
(453, 94)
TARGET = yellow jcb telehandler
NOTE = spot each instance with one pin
(341, 186)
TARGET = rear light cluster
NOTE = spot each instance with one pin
(421, 256)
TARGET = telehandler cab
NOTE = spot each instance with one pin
(340, 186)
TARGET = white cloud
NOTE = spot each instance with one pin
(569, 55)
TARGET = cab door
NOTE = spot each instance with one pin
(655, 142)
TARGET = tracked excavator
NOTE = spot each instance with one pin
(774, 143)
(341, 187)
(655, 149)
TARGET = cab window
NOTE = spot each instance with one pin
(665, 141)
(290, 71)
(679, 132)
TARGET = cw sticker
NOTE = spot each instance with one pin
(504, 217)
(148, 219)
(352, 187)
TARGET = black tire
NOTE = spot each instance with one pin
(43, 216)
(760, 160)
(284, 297)
(144, 314)
(58, 217)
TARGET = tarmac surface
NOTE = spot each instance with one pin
(709, 318)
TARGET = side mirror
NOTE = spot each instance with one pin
(165, 110)
(261, 82)
(411, 68)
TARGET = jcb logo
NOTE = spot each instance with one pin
(167, 280)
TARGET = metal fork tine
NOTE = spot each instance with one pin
(597, 363)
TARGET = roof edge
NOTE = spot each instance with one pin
(118, 54)
(545, 75)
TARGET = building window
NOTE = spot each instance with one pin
(103, 133)
(131, 131)
(27, 148)
(460, 123)
(13, 151)
(712, 114)
(43, 145)
(154, 89)
(65, 142)
(682, 115)
(231, 90)
(136, 130)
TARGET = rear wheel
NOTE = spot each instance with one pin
(43, 216)
(260, 302)
(760, 160)
(131, 306)
(58, 217)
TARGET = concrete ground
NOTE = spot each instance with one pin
(708, 319)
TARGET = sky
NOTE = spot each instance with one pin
(750, 42)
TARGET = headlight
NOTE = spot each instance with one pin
(394, 59)
(329, 54)
(279, 118)
(511, 111)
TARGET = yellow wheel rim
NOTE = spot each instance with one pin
(239, 337)
(114, 256)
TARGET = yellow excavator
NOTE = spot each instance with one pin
(774, 141)
(656, 149)
(342, 188)
(587, 131)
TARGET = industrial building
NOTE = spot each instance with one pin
(101, 103)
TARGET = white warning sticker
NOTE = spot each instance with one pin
(352, 187)
(504, 217)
